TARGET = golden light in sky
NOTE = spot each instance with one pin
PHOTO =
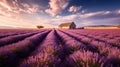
(51, 13)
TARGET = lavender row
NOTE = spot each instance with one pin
(11, 54)
(15, 38)
(110, 36)
(113, 42)
(6, 33)
(111, 54)
(70, 46)
(103, 48)
(77, 39)
(63, 48)
(89, 59)
(45, 54)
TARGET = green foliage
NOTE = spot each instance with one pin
(40, 27)
(18, 51)
(86, 42)
(118, 26)
(74, 48)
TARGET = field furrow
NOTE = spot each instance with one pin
(60, 48)
(11, 54)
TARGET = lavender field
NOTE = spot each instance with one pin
(60, 48)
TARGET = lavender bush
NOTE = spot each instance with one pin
(59, 48)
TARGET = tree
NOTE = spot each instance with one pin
(40, 27)
(119, 25)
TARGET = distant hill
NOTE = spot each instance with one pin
(6, 27)
(101, 26)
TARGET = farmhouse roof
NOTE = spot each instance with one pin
(66, 24)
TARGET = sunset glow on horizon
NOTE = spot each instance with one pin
(51, 13)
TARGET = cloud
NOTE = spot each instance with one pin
(4, 4)
(56, 6)
(91, 18)
(101, 14)
(12, 7)
(34, 8)
(19, 22)
(91, 14)
(74, 8)
(119, 11)
(101, 17)
(25, 13)
(66, 18)
(5, 13)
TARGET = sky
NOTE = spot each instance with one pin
(51, 13)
